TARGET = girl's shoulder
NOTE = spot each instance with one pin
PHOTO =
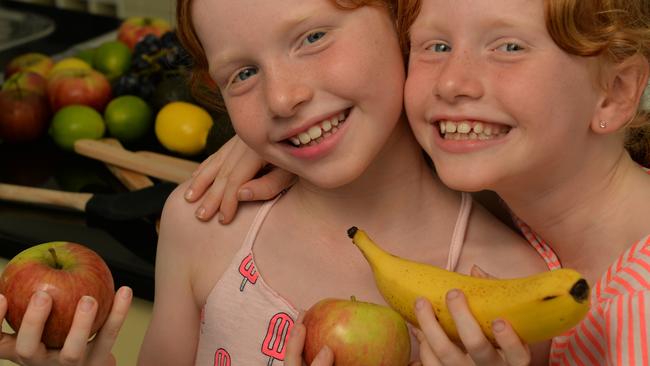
(201, 249)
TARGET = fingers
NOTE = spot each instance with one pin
(325, 357)
(75, 344)
(513, 350)
(105, 339)
(247, 167)
(441, 346)
(267, 186)
(295, 344)
(427, 356)
(28, 340)
(476, 343)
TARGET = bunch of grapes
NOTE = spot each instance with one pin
(153, 59)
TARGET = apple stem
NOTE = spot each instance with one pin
(57, 265)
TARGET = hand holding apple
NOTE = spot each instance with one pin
(358, 333)
(64, 271)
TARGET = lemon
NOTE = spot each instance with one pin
(69, 63)
(75, 122)
(183, 127)
(128, 118)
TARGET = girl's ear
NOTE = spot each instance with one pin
(624, 86)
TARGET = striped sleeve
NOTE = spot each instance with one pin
(615, 331)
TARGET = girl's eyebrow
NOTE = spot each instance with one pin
(226, 56)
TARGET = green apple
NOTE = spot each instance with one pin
(66, 271)
(359, 333)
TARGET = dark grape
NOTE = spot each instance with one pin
(139, 63)
(126, 84)
(169, 40)
(146, 89)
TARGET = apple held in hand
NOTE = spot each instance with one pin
(24, 115)
(133, 29)
(66, 271)
(359, 333)
(78, 86)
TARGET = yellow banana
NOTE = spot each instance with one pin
(538, 307)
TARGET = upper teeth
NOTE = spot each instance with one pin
(316, 131)
(473, 130)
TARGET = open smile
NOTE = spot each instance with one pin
(319, 132)
(471, 130)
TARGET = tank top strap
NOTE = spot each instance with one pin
(262, 212)
(458, 236)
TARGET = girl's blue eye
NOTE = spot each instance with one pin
(245, 74)
(440, 47)
(314, 37)
(511, 47)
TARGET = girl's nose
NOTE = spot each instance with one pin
(285, 92)
(459, 78)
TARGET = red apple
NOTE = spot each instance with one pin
(133, 29)
(24, 115)
(32, 61)
(359, 333)
(66, 271)
(26, 80)
(78, 86)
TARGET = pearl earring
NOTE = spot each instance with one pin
(602, 124)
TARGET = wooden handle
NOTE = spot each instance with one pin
(185, 164)
(132, 180)
(130, 160)
(14, 193)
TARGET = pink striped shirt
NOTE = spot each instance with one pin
(615, 331)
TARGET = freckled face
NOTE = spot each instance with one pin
(312, 88)
(492, 99)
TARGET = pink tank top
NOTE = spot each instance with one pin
(244, 322)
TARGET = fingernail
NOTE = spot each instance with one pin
(86, 304)
(452, 294)
(39, 298)
(420, 303)
(498, 325)
(126, 292)
(189, 194)
(245, 195)
(200, 213)
(220, 217)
